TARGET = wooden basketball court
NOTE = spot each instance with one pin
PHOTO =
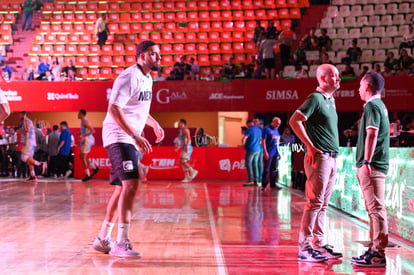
(214, 227)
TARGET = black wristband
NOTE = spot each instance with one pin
(366, 162)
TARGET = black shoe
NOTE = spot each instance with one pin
(371, 259)
(250, 184)
(274, 186)
(95, 171)
(86, 178)
(358, 258)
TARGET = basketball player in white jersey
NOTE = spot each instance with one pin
(128, 113)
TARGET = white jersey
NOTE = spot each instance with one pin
(3, 98)
(132, 92)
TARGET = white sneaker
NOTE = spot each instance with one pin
(194, 174)
(124, 250)
(104, 245)
(311, 255)
(186, 179)
(327, 250)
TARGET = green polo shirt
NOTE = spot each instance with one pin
(322, 121)
(375, 115)
(28, 5)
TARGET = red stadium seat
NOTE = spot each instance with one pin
(67, 28)
(213, 5)
(202, 48)
(167, 37)
(158, 17)
(192, 16)
(169, 6)
(249, 15)
(94, 61)
(71, 50)
(240, 26)
(118, 61)
(50, 38)
(158, 6)
(294, 13)
(113, 18)
(193, 26)
(35, 50)
(114, 8)
(202, 37)
(136, 28)
(215, 60)
(131, 38)
(227, 16)
(214, 48)
(38, 39)
(284, 13)
(226, 48)
(228, 26)
(83, 49)
(191, 5)
(116, 72)
(280, 4)
(61, 39)
(269, 4)
(156, 37)
(237, 36)
(147, 17)
(107, 50)
(204, 16)
(178, 48)
(85, 39)
(258, 4)
(93, 74)
(179, 37)
(170, 27)
(214, 37)
(190, 48)
(166, 49)
(130, 49)
(47, 50)
(125, 17)
(144, 36)
(250, 47)
(181, 16)
(94, 50)
(125, 28)
(271, 14)
(215, 16)
(82, 61)
(236, 5)
(167, 60)
(74, 39)
(106, 61)
(205, 26)
(226, 37)
(217, 26)
(130, 60)
(203, 5)
(191, 37)
(203, 60)
(261, 14)
(247, 5)
(136, 17)
(225, 5)
(240, 58)
(238, 47)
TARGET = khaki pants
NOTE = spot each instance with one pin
(373, 189)
(319, 185)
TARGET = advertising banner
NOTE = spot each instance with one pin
(399, 190)
(199, 96)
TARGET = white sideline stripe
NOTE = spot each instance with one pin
(221, 265)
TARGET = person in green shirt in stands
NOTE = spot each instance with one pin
(372, 158)
(28, 7)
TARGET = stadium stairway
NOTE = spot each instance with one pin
(310, 19)
(19, 50)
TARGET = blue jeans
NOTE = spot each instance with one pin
(252, 166)
(270, 170)
(27, 17)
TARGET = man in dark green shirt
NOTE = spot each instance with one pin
(316, 124)
(372, 161)
(28, 7)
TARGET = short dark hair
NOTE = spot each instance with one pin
(249, 121)
(375, 82)
(143, 46)
(55, 127)
(183, 121)
(23, 112)
(64, 123)
(82, 111)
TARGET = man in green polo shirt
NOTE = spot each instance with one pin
(28, 7)
(316, 124)
(372, 158)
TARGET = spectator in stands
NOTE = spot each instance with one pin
(229, 69)
(353, 53)
(405, 63)
(160, 76)
(324, 59)
(377, 68)
(6, 72)
(71, 75)
(1, 59)
(271, 29)
(55, 69)
(194, 72)
(42, 68)
(28, 8)
(286, 39)
(310, 41)
(48, 76)
(210, 75)
(70, 66)
(324, 40)
(101, 30)
(300, 72)
(390, 64)
(258, 30)
(179, 69)
(28, 73)
(408, 39)
(251, 67)
(266, 48)
(348, 71)
(300, 55)
(365, 69)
